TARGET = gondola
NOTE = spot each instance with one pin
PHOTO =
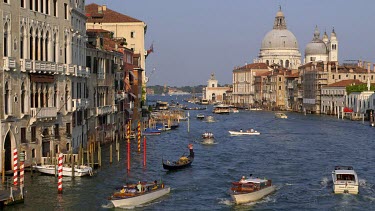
(182, 162)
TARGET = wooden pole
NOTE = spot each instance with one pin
(15, 167)
(100, 155)
(72, 162)
(188, 122)
(110, 153)
(118, 151)
(139, 137)
(128, 160)
(59, 183)
(144, 150)
(3, 166)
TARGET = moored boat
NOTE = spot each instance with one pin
(200, 116)
(281, 115)
(246, 132)
(251, 189)
(135, 195)
(210, 119)
(79, 170)
(345, 180)
(182, 162)
(221, 109)
(151, 131)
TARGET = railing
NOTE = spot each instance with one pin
(104, 110)
(26, 65)
(100, 75)
(70, 69)
(49, 112)
(9, 63)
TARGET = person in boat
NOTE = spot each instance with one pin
(122, 190)
(252, 130)
(155, 185)
(241, 130)
(243, 179)
(139, 186)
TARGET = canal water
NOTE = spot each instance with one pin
(298, 154)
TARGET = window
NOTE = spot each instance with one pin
(5, 40)
(41, 6)
(57, 134)
(33, 134)
(47, 7)
(55, 8)
(132, 34)
(33, 153)
(5, 1)
(66, 11)
(355, 77)
(23, 3)
(67, 131)
(31, 44)
(36, 5)
(6, 99)
(46, 43)
(36, 45)
(23, 135)
(31, 4)
(23, 98)
(339, 76)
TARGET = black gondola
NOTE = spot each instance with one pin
(182, 162)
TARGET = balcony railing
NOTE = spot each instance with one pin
(26, 65)
(104, 110)
(9, 63)
(49, 112)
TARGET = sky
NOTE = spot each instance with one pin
(194, 38)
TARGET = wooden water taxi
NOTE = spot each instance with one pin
(138, 194)
(251, 189)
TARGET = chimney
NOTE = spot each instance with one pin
(104, 7)
(100, 9)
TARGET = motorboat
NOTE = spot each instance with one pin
(251, 189)
(151, 131)
(200, 116)
(207, 135)
(79, 170)
(138, 194)
(182, 162)
(246, 132)
(281, 115)
(210, 119)
(345, 180)
(221, 109)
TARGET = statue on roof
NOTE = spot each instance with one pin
(212, 76)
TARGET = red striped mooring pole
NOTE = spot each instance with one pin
(60, 171)
(15, 167)
(128, 137)
(139, 136)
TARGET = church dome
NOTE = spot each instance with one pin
(279, 39)
(316, 46)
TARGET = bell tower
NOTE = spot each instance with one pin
(333, 47)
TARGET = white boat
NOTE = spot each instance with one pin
(281, 115)
(200, 116)
(207, 135)
(79, 171)
(209, 119)
(247, 132)
(221, 109)
(133, 197)
(252, 189)
(345, 180)
(254, 109)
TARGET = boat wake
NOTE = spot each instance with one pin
(226, 202)
(325, 182)
(108, 206)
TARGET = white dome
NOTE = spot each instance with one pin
(316, 47)
(279, 39)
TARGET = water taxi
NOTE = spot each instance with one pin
(138, 194)
(345, 180)
(281, 115)
(79, 170)
(246, 132)
(251, 189)
(221, 109)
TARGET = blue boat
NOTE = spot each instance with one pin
(151, 131)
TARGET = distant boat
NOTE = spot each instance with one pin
(79, 170)
(151, 131)
(247, 132)
(200, 116)
(281, 115)
(221, 109)
(210, 119)
(182, 162)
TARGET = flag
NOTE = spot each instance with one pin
(151, 49)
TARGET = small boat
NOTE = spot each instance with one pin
(345, 180)
(247, 132)
(130, 195)
(151, 131)
(233, 110)
(281, 115)
(79, 170)
(200, 116)
(251, 189)
(210, 119)
(132, 135)
(254, 109)
(182, 162)
(221, 109)
(207, 135)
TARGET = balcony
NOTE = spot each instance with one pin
(120, 95)
(70, 69)
(40, 113)
(103, 110)
(9, 63)
(100, 75)
(26, 65)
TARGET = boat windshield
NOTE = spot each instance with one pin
(346, 177)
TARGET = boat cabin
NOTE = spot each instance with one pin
(160, 105)
(250, 185)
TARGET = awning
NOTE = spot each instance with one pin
(348, 110)
(42, 78)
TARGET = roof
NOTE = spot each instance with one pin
(253, 66)
(106, 16)
(97, 31)
(345, 83)
(293, 75)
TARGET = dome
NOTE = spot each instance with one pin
(316, 47)
(279, 39)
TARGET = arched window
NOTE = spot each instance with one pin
(46, 46)
(31, 96)
(41, 93)
(22, 36)
(281, 63)
(31, 43)
(66, 97)
(6, 98)
(36, 96)
(267, 62)
(65, 50)
(55, 96)
(54, 48)
(36, 45)
(41, 56)
(23, 98)
(5, 48)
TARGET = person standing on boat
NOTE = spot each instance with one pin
(243, 179)
(241, 130)
(139, 186)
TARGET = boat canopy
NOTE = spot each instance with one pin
(254, 180)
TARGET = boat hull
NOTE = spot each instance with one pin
(141, 199)
(67, 171)
(177, 167)
(241, 198)
(342, 188)
(236, 133)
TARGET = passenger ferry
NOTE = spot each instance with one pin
(221, 109)
(345, 180)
